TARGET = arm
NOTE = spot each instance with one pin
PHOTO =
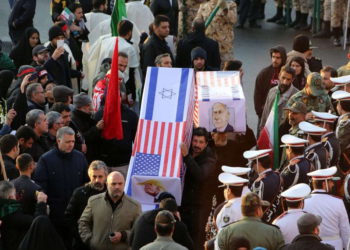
(344, 224)
(72, 213)
(85, 224)
(230, 14)
(28, 14)
(200, 172)
(148, 58)
(40, 175)
(127, 233)
(258, 100)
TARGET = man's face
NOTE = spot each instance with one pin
(41, 58)
(151, 189)
(39, 95)
(326, 77)
(26, 144)
(285, 80)
(115, 185)
(78, 14)
(87, 109)
(198, 144)
(162, 30)
(58, 124)
(295, 118)
(54, 41)
(122, 63)
(166, 62)
(98, 178)
(276, 59)
(42, 124)
(198, 63)
(221, 116)
(66, 117)
(66, 144)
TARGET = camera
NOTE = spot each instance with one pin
(111, 235)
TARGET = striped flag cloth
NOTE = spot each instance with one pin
(269, 135)
(165, 122)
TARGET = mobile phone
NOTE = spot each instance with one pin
(60, 43)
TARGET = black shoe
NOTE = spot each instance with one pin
(276, 17)
(336, 42)
(254, 26)
(282, 21)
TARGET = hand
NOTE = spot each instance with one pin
(184, 150)
(74, 27)
(57, 53)
(9, 116)
(100, 125)
(116, 238)
(25, 82)
(41, 197)
(83, 148)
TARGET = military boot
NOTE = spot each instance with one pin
(297, 19)
(326, 31)
(336, 36)
(279, 15)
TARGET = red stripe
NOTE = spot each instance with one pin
(161, 137)
(139, 136)
(175, 149)
(154, 138)
(167, 149)
(145, 145)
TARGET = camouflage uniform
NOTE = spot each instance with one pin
(344, 70)
(221, 27)
(192, 7)
(343, 132)
(338, 12)
(301, 5)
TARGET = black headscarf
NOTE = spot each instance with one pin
(22, 52)
(41, 236)
(6, 77)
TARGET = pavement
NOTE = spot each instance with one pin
(251, 46)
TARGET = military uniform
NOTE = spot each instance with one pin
(191, 9)
(296, 172)
(331, 144)
(267, 186)
(343, 132)
(344, 70)
(229, 213)
(321, 103)
(317, 155)
(221, 27)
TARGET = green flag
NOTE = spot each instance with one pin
(119, 11)
(276, 132)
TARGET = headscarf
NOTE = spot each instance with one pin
(22, 52)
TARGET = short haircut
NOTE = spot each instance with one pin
(6, 188)
(288, 70)
(122, 54)
(200, 131)
(169, 204)
(32, 89)
(159, 19)
(97, 3)
(345, 105)
(265, 162)
(73, 6)
(33, 117)
(317, 184)
(52, 118)
(293, 204)
(64, 131)
(23, 161)
(164, 222)
(159, 58)
(60, 107)
(236, 242)
(316, 138)
(198, 25)
(124, 27)
(236, 190)
(7, 143)
(331, 70)
(232, 65)
(97, 165)
(297, 150)
(26, 133)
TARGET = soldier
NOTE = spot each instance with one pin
(345, 69)
(329, 140)
(240, 172)
(187, 12)
(287, 222)
(315, 152)
(299, 166)
(313, 95)
(334, 229)
(342, 82)
(338, 15)
(231, 211)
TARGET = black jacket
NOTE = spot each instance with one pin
(22, 14)
(40, 146)
(151, 49)
(307, 242)
(75, 208)
(59, 174)
(143, 231)
(197, 39)
(10, 167)
(161, 7)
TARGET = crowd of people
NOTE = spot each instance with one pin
(62, 183)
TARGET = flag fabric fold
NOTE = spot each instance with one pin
(269, 135)
(112, 112)
(119, 11)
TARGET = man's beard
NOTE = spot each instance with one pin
(98, 186)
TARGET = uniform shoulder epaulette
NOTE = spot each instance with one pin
(273, 225)
(324, 139)
(344, 121)
(228, 204)
(294, 161)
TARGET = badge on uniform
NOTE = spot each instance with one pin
(226, 219)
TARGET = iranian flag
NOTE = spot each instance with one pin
(269, 135)
(119, 11)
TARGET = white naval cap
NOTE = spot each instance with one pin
(292, 141)
(323, 174)
(324, 116)
(341, 80)
(231, 180)
(236, 170)
(311, 129)
(297, 192)
(256, 154)
(341, 95)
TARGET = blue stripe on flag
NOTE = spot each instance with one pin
(182, 95)
(151, 93)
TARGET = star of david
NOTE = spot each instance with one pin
(167, 93)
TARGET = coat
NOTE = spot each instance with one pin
(161, 7)
(307, 242)
(22, 15)
(197, 39)
(59, 174)
(10, 168)
(163, 242)
(143, 231)
(99, 220)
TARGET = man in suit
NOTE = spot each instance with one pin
(221, 117)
